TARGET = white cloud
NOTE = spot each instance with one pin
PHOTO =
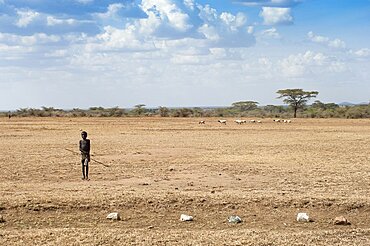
(85, 1)
(183, 46)
(52, 21)
(365, 52)
(149, 25)
(207, 14)
(270, 3)
(311, 63)
(300, 64)
(190, 4)
(335, 43)
(210, 32)
(22, 48)
(181, 59)
(8, 50)
(167, 20)
(119, 39)
(337, 67)
(26, 17)
(169, 12)
(225, 30)
(31, 40)
(271, 33)
(57, 53)
(276, 16)
(112, 11)
(317, 39)
(264, 61)
(234, 21)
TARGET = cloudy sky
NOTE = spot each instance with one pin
(82, 53)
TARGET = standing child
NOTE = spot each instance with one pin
(85, 155)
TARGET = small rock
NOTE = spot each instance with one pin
(114, 216)
(303, 217)
(185, 217)
(234, 219)
(2, 220)
(341, 220)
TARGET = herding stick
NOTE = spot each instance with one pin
(99, 162)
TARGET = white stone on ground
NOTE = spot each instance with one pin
(303, 217)
(341, 220)
(114, 216)
(185, 217)
(234, 219)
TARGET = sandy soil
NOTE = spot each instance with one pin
(160, 168)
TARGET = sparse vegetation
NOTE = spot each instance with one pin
(296, 100)
(316, 110)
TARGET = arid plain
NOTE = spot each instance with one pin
(160, 168)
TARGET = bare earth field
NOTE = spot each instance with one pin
(160, 168)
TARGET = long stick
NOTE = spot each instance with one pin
(101, 163)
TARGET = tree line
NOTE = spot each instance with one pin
(295, 100)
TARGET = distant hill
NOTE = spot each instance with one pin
(352, 104)
(346, 104)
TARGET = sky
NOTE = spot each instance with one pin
(181, 53)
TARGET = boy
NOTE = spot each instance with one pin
(85, 155)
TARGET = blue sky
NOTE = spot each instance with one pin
(82, 53)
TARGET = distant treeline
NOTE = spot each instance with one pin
(239, 109)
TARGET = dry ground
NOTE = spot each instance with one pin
(160, 168)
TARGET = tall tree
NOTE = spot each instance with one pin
(296, 98)
(139, 109)
(245, 105)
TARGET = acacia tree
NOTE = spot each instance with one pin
(245, 105)
(296, 98)
(139, 109)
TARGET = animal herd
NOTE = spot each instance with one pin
(240, 122)
(282, 121)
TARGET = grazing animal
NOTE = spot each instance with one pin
(202, 122)
(276, 120)
(222, 121)
(252, 121)
(258, 121)
(240, 121)
(286, 121)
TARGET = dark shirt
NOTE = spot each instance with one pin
(85, 146)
